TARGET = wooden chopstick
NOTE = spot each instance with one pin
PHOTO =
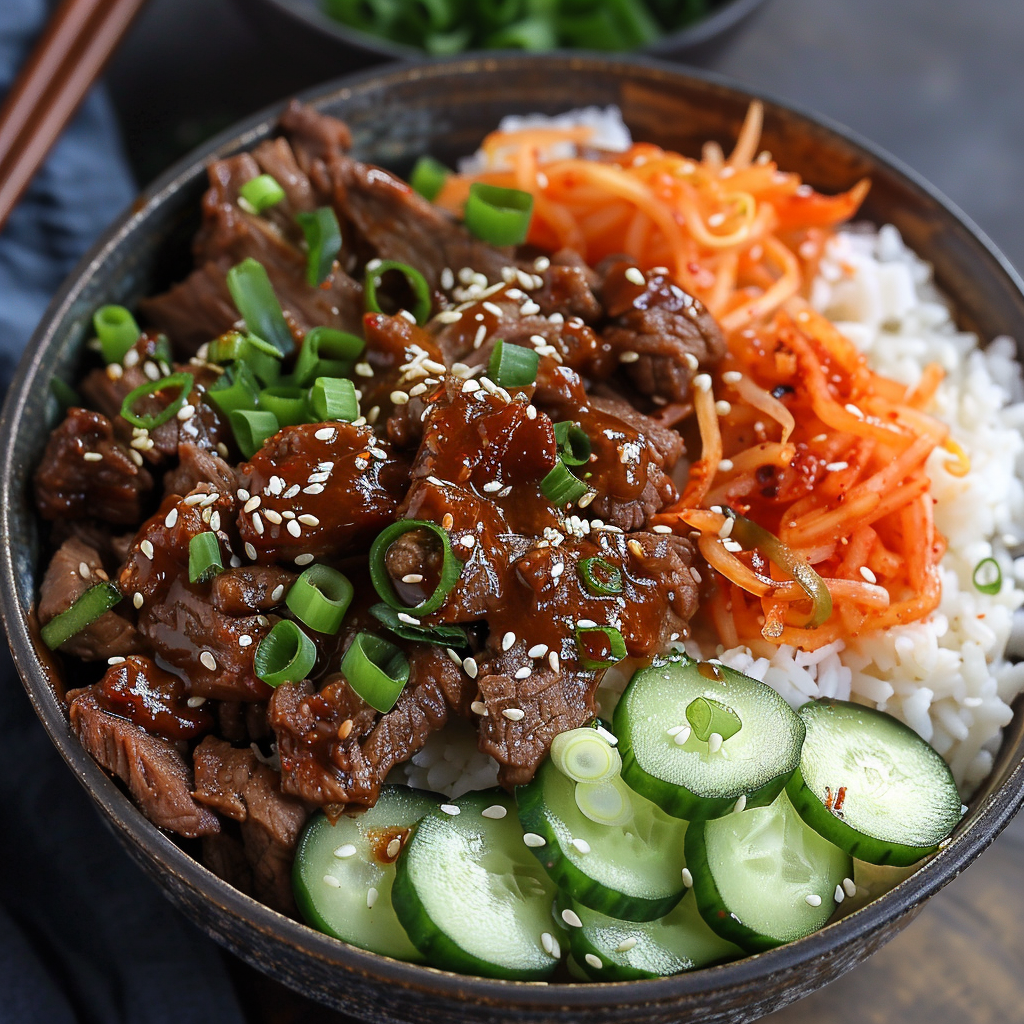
(80, 37)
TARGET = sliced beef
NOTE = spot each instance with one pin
(156, 774)
(568, 289)
(662, 335)
(199, 465)
(237, 785)
(74, 568)
(334, 749)
(251, 588)
(85, 471)
(224, 855)
(315, 138)
(195, 310)
(319, 489)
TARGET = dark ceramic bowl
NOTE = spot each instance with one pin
(446, 108)
(310, 30)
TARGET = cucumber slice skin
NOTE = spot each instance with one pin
(854, 841)
(439, 948)
(333, 911)
(678, 799)
(547, 808)
(723, 919)
(601, 935)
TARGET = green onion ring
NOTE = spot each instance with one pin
(326, 352)
(498, 216)
(320, 597)
(707, 716)
(989, 583)
(182, 381)
(117, 330)
(204, 559)
(333, 398)
(613, 639)
(513, 366)
(260, 357)
(284, 655)
(600, 577)
(428, 177)
(323, 241)
(574, 445)
(376, 669)
(585, 756)
(375, 271)
(262, 192)
(451, 568)
(288, 404)
(560, 487)
(252, 427)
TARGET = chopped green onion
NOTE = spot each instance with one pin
(599, 646)
(376, 669)
(117, 330)
(65, 394)
(261, 193)
(323, 241)
(204, 561)
(529, 34)
(182, 381)
(499, 216)
(707, 716)
(288, 404)
(607, 803)
(512, 366)
(988, 577)
(254, 297)
(375, 271)
(443, 44)
(444, 636)
(85, 611)
(326, 352)
(428, 177)
(320, 597)
(236, 390)
(585, 756)
(252, 427)
(750, 535)
(259, 356)
(451, 567)
(601, 578)
(333, 398)
(573, 443)
(560, 487)
(284, 655)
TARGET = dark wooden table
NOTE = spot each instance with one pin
(939, 83)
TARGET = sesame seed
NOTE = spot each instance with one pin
(171, 519)
(115, 660)
(257, 523)
(313, 489)
(722, 407)
(538, 651)
(740, 804)
(635, 276)
(447, 279)
(293, 528)
(447, 520)
(732, 377)
(379, 453)
(135, 456)
(408, 619)
(687, 878)
(186, 412)
(546, 942)
(371, 897)
(399, 397)
(850, 887)
(131, 358)
(523, 673)
(151, 370)
(557, 569)
(725, 530)
(406, 315)
(417, 389)
(478, 707)
(481, 333)
(587, 499)
(530, 307)
(682, 735)
(495, 811)
(629, 357)
(571, 918)
(493, 308)
(839, 895)
(92, 457)
(581, 845)
(467, 540)
(245, 640)
(194, 499)
(661, 528)
(137, 600)
(702, 382)
(364, 369)
(812, 900)
(215, 520)
(493, 485)
(868, 574)
(533, 840)
(84, 571)
(834, 467)
(594, 961)
(470, 667)
(451, 809)
(250, 551)
(308, 520)
(448, 316)
(332, 881)
(196, 702)
(412, 577)
(394, 847)
(514, 714)
(854, 411)
(508, 640)
(208, 660)
(325, 434)
(553, 661)
(541, 263)
(626, 945)
(691, 360)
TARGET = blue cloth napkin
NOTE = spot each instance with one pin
(85, 938)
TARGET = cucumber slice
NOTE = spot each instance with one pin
(896, 797)
(343, 873)
(607, 949)
(470, 896)
(699, 779)
(754, 873)
(632, 871)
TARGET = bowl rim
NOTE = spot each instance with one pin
(309, 14)
(984, 823)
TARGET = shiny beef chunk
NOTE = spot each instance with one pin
(335, 749)
(198, 465)
(154, 770)
(85, 471)
(250, 588)
(319, 489)
(194, 310)
(670, 332)
(237, 785)
(178, 618)
(569, 288)
(75, 567)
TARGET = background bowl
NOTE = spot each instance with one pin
(305, 25)
(446, 108)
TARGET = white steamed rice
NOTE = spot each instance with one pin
(949, 677)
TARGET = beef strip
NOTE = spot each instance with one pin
(568, 289)
(250, 588)
(112, 634)
(236, 784)
(156, 774)
(195, 310)
(71, 483)
(671, 333)
(335, 749)
(198, 465)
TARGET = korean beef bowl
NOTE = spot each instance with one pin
(535, 551)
